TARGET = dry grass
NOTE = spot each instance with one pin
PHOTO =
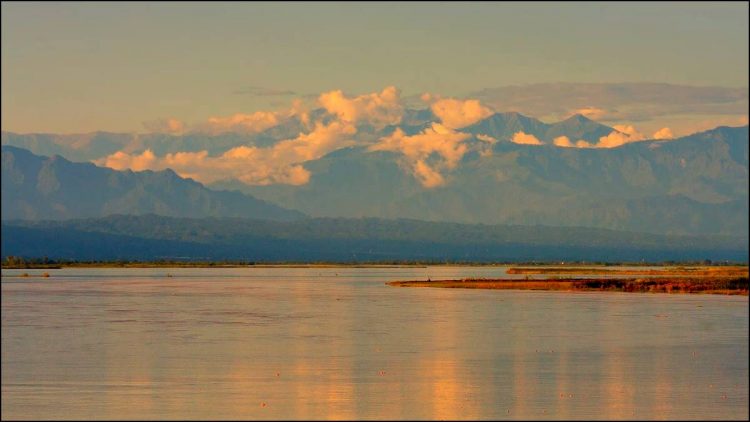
(713, 285)
(733, 271)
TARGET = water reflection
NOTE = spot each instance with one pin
(301, 343)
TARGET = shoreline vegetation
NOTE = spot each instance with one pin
(716, 271)
(726, 285)
(705, 267)
(202, 265)
(714, 278)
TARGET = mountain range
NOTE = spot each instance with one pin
(696, 185)
(153, 237)
(36, 187)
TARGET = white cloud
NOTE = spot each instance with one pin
(623, 134)
(243, 123)
(254, 122)
(455, 113)
(436, 139)
(525, 139)
(663, 133)
(427, 176)
(379, 109)
(486, 138)
(123, 161)
(563, 141)
(248, 164)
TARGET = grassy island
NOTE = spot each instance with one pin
(713, 285)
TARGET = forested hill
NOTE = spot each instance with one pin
(152, 237)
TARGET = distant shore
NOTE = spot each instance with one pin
(714, 271)
(706, 285)
(516, 267)
(200, 265)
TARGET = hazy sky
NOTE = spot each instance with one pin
(82, 67)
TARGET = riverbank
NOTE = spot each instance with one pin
(712, 285)
(718, 271)
(686, 268)
(197, 265)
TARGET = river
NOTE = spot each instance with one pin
(337, 343)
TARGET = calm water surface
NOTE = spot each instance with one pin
(336, 343)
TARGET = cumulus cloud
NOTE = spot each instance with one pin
(243, 123)
(379, 109)
(565, 142)
(436, 139)
(430, 154)
(525, 139)
(123, 161)
(486, 138)
(254, 122)
(663, 133)
(170, 125)
(251, 165)
(623, 134)
(427, 176)
(455, 113)
(427, 97)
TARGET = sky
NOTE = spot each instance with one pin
(81, 67)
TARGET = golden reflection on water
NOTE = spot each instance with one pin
(329, 388)
(446, 389)
(562, 389)
(522, 383)
(663, 394)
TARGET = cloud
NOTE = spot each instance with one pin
(255, 122)
(170, 125)
(123, 161)
(438, 140)
(590, 112)
(258, 91)
(486, 138)
(454, 113)
(280, 163)
(243, 123)
(525, 139)
(663, 133)
(430, 154)
(563, 141)
(427, 176)
(623, 134)
(427, 97)
(434, 139)
(379, 109)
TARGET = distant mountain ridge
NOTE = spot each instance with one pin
(696, 184)
(92, 146)
(693, 185)
(35, 187)
(503, 126)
